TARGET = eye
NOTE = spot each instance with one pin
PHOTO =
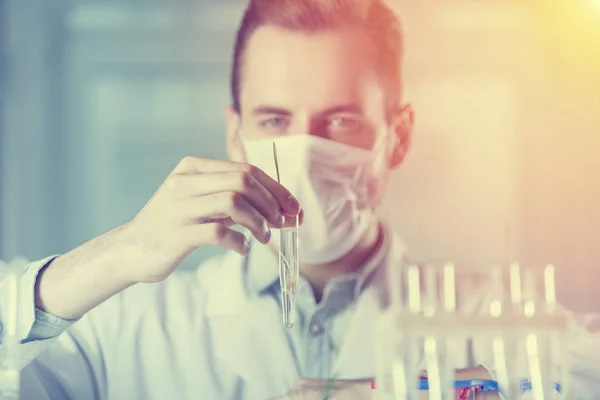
(274, 123)
(344, 124)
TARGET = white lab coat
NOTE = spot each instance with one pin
(201, 335)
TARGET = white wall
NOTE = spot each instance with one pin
(455, 196)
(505, 160)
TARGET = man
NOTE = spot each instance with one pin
(321, 80)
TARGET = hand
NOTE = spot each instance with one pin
(196, 206)
(320, 389)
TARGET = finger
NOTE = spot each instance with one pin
(290, 221)
(307, 383)
(198, 165)
(226, 205)
(294, 221)
(228, 222)
(289, 204)
(186, 186)
(356, 392)
(218, 235)
(195, 165)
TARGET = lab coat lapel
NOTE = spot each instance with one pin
(249, 340)
(356, 357)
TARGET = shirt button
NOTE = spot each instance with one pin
(316, 329)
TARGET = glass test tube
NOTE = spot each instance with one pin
(431, 295)
(451, 343)
(440, 349)
(504, 343)
(545, 351)
(405, 344)
(288, 271)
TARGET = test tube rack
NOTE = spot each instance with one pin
(413, 336)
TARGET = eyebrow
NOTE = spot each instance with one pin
(343, 108)
(337, 109)
(270, 110)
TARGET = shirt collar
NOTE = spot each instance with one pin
(262, 270)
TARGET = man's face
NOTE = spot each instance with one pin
(321, 83)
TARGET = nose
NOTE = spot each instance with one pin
(300, 124)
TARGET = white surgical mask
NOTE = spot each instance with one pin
(329, 180)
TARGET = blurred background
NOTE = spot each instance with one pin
(100, 99)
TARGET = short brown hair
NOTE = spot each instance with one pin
(374, 16)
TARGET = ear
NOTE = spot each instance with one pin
(235, 150)
(402, 127)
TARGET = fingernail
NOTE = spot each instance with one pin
(281, 221)
(293, 203)
(267, 233)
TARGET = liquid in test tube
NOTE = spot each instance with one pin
(288, 270)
